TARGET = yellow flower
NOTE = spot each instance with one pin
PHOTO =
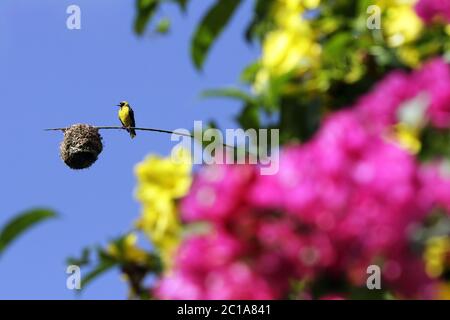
(285, 51)
(161, 182)
(412, 118)
(447, 29)
(443, 291)
(311, 4)
(436, 251)
(357, 69)
(407, 137)
(291, 46)
(159, 220)
(401, 24)
(168, 175)
(128, 250)
(410, 56)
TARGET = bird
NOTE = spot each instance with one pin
(126, 117)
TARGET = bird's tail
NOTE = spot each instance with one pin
(132, 133)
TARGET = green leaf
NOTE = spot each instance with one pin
(83, 260)
(249, 73)
(145, 11)
(260, 22)
(232, 93)
(210, 28)
(20, 224)
(101, 264)
(182, 4)
(337, 47)
(163, 26)
(435, 144)
(249, 117)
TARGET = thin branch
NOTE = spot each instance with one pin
(126, 128)
(140, 129)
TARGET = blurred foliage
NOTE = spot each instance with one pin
(436, 142)
(352, 57)
(210, 28)
(146, 10)
(20, 224)
(317, 57)
(163, 26)
(134, 263)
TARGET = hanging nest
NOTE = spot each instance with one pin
(81, 146)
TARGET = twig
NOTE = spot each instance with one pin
(135, 128)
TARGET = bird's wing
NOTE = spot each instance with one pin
(132, 121)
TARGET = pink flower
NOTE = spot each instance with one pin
(379, 107)
(203, 253)
(179, 286)
(315, 218)
(346, 199)
(332, 297)
(213, 267)
(434, 80)
(239, 282)
(429, 10)
(217, 193)
(404, 272)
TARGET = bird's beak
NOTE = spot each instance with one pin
(118, 105)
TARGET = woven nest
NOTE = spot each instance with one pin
(81, 146)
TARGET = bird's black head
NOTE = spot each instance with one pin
(123, 104)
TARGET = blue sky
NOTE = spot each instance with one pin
(51, 76)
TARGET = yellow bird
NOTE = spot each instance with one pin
(126, 117)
